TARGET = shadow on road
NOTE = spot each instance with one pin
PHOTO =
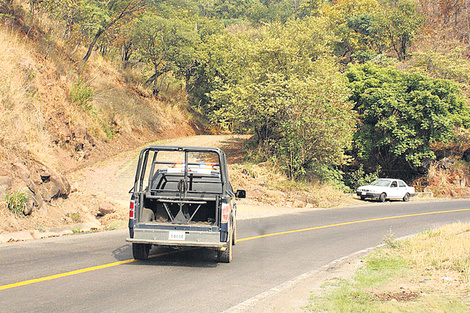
(182, 257)
(123, 253)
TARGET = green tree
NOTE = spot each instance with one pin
(282, 84)
(452, 65)
(356, 25)
(105, 14)
(222, 59)
(400, 24)
(401, 114)
(89, 20)
(165, 44)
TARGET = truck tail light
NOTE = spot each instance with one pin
(131, 210)
(225, 212)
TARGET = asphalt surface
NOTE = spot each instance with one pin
(192, 280)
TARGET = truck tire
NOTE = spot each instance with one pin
(227, 255)
(234, 237)
(140, 251)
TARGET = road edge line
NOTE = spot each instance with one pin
(246, 305)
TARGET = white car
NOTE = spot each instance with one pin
(386, 188)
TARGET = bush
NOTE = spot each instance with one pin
(360, 177)
(401, 115)
(16, 201)
(82, 94)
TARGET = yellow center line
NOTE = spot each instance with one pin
(94, 268)
(89, 269)
(80, 271)
(349, 223)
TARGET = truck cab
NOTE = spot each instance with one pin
(182, 197)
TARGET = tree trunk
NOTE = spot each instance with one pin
(92, 44)
(126, 49)
(129, 9)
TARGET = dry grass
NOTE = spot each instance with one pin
(426, 273)
(437, 266)
(39, 117)
(449, 183)
(21, 114)
(39, 121)
(440, 254)
(267, 185)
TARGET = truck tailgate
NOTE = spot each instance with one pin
(181, 235)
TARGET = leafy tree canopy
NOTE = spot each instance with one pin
(283, 84)
(163, 44)
(401, 114)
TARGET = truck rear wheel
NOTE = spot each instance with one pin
(140, 251)
(227, 255)
(234, 237)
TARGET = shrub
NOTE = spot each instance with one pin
(76, 217)
(360, 177)
(82, 94)
(401, 115)
(16, 201)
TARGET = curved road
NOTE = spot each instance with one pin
(96, 273)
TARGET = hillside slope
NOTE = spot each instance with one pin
(57, 115)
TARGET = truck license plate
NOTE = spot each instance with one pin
(177, 235)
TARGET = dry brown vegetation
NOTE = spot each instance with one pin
(425, 273)
(438, 265)
(58, 115)
(452, 181)
(267, 185)
(46, 127)
(40, 121)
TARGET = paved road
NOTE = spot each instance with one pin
(191, 281)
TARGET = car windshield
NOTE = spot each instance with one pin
(381, 182)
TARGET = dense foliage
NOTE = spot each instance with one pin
(401, 114)
(276, 69)
(284, 85)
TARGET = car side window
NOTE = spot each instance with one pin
(394, 184)
(401, 184)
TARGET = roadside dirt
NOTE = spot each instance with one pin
(99, 197)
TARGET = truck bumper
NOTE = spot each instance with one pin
(163, 237)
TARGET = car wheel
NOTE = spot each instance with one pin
(406, 198)
(140, 251)
(382, 197)
(363, 197)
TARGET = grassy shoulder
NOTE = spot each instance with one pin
(429, 272)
